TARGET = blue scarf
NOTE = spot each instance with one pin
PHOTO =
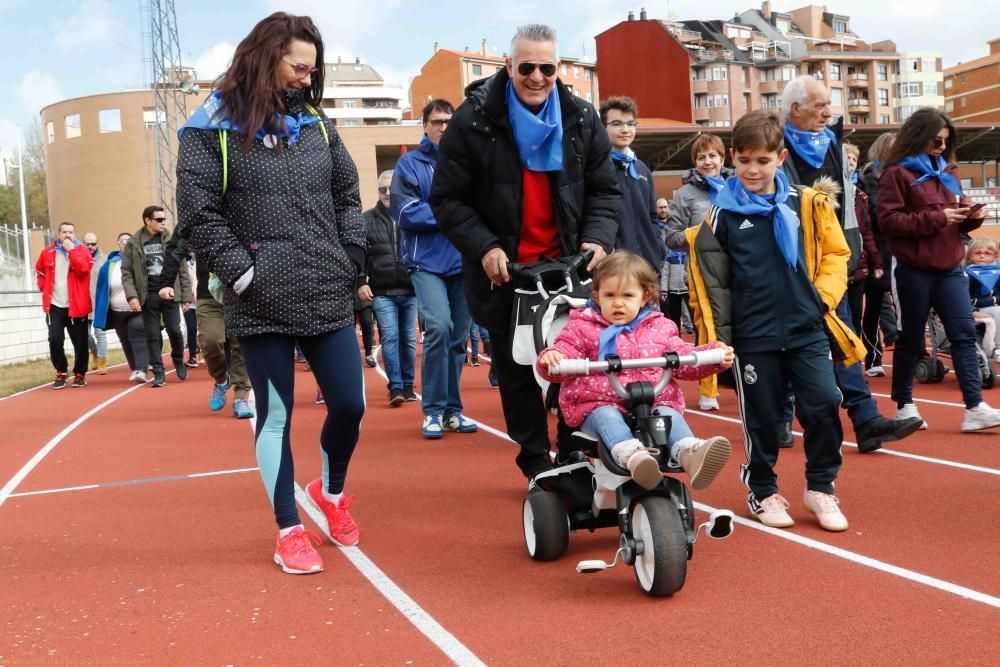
(734, 197)
(103, 291)
(716, 183)
(538, 136)
(811, 146)
(628, 158)
(58, 247)
(986, 275)
(854, 177)
(921, 164)
(207, 117)
(609, 337)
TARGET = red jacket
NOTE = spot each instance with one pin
(912, 219)
(77, 279)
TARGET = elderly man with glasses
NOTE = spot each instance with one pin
(142, 264)
(523, 172)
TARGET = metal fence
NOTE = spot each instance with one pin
(12, 254)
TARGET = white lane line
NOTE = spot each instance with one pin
(9, 487)
(883, 450)
(926, 400)
(873, 563)
(130, 482)
(61, 490)
(42, 386)
(407, 606)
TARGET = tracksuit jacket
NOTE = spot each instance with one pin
(77, 278)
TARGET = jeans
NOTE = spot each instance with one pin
(97, 340)
(445, 312)
(608, 423)
(948, 293)
(478, 333)
(397, 325)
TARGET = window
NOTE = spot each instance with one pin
(883, 119)
(73, 126)
(700, 101)
(930, 89)
(477, 70)
(50, 131)
(966, 183)
(783, 25)
(350, 104)
(961, 78)
(928, 65)
(586, 75)
(949, 107)
(911, 89)
(150, 118)
(787, 73)
(358, 68)
(746, 101)
(839, 25)
(883, 97)
(853, 120)
(948, 83)
(565, 69)
(963, 101)
(576, 72)
(109, 120)
(590, 96)
(701, 74)
(882, 71)
(834, 71)
(837, 97)
(350, 122)
(746, 76)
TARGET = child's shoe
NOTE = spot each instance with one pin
(641, 465)
(340, 524)
(703, 460)
(295, 553)
(706, 403)
(773, 512)
(826, 507)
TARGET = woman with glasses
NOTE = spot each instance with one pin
(111, 311)
(268, 195)
(924, 216)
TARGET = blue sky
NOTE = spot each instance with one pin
(56, 49)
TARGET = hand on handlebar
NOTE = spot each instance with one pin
(598, 251)
(551, 358)
(730, 354)
(495, 265)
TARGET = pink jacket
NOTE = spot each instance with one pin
(580, 339)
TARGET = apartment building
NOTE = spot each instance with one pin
(727, 68)
(447, 73)
(354, 95)
(919, 83)
(972, 89)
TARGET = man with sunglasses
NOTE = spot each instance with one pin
(97, 340)
(524, 172)
(816, 150)
(142, 266)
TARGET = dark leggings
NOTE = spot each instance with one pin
(366, 319)
(675, 307)
(334, 360)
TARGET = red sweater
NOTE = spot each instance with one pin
(77, 278)
(539, 234)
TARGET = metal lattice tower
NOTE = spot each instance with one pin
(169, 82)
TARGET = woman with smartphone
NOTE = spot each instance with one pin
(924, 216)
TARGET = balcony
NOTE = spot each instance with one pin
(699, 86)
(770, 87)
(709, 55)
(857, 80)
(683, 34)
(858, 104)
(702, 113)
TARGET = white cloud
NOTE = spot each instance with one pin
(94, 25)
(8, 136)
(212, 62)
(345, 25)
(38, 88)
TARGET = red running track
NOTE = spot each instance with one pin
(148, 565)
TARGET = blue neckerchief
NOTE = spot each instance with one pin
(58, 246)
(854, 177)
(735, 197)
(986, 275)
(716, 183)
(208, 117)
(104, 276)
(676, 257)
(921, 164)
(609, 337)
(877, 164)
(538, 136)
(811, 146)
(628, 158)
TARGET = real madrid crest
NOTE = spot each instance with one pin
(750, 374)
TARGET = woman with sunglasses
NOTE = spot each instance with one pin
(924, 215)
(268, 195)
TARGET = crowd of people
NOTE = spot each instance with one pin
(782, 259)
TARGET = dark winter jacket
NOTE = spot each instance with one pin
(292, 213)
(912, 219)
(134, 278)
(637, 229)
(175, 254)
(478, 188)
(386, 272)
(422, 243)
(868, 181)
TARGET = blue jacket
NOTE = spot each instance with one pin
(424, 247)
(102, 302)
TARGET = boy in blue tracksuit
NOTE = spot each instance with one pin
(767, 272)
(436, 272)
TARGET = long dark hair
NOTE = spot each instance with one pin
(251, 92)
(918, 132)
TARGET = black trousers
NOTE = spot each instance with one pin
(191, 322)
(154, 311)
(131, 332)
(675, 307)
(59, 323)
(762, 381)
(366, 320)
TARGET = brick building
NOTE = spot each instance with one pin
(972, 89)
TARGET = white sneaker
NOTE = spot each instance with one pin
(910, 410)
(706, 403)
(773, 512)
(875, 372)
(996, 355)
(137, 376)
(826, 507)
(980, 417)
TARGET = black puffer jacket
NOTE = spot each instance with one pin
(477, 191)
(387, 274)
(293, 214)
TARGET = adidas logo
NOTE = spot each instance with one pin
(746, 224)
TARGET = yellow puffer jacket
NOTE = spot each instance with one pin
(826, 253)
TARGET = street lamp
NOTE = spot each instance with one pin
(24, 215)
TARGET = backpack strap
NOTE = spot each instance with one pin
(225, 153)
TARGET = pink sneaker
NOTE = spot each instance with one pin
(826, 507)
(340, 523)
(774, 512)
(295, 553)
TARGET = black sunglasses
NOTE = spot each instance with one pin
(160, 219)
(91, 245)
(939, 142)
(526, 69)
(383, 189)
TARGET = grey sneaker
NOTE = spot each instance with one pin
(908, 411)
(980, 417)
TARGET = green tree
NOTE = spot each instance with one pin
(35, 193)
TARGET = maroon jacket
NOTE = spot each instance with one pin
(912, 219)
(871, 258)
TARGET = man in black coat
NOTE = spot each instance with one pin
(523, 172)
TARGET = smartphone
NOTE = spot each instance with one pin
(974, 209)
